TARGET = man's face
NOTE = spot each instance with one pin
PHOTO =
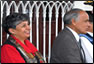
(82, 24)
(91, 27)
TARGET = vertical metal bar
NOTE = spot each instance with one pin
(37, 29)
(30, 15)
(62, 23)
(1, 21)
(44, 31)
(62, 14)
(56, 23)
(50, 17)
(37, 23)
(30, 18)
(57, 15)
(44, 34)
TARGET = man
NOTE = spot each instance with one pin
(66, 47)
(87, 40)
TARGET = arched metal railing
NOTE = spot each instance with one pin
(28, 7)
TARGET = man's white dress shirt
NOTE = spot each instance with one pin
(88, 48)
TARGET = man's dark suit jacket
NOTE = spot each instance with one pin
(65, 48)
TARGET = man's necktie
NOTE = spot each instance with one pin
(82, 51)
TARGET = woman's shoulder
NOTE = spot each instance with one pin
(7, 47)
(10, 54)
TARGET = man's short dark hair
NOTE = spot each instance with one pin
(12, 20)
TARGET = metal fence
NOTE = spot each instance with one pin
(35, 9)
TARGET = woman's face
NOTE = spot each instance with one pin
(22, 30)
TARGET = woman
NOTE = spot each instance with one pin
(17, 48)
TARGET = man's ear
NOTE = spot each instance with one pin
(12, 31)
(73, 22)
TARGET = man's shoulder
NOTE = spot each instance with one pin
(64, 35)
(65, 32)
